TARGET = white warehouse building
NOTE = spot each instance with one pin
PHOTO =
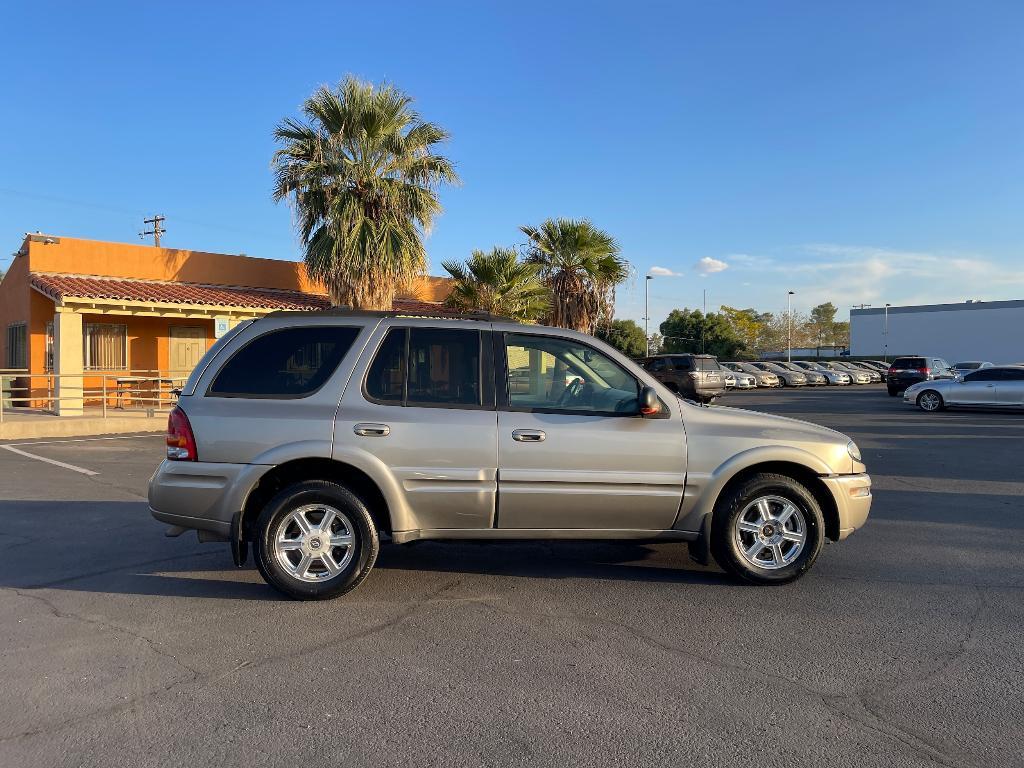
(975, 330)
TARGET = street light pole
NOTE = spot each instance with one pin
(789, 319)
(885, 333)
(647, 312)
(704, 321)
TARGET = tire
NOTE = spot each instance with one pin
(930, 401)
(793, 513)
(278, 527)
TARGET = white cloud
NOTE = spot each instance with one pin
(662, 272)
(708, 266)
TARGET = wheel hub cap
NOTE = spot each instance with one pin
(770, 532)
(314, 542)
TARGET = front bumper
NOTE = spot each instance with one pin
(852, 494)
(201, 495)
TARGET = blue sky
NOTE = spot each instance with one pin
(852, 152)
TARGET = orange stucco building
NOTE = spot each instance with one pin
(82, 315)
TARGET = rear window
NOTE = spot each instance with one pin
(909, 362)
(288, 363)
(706, 364)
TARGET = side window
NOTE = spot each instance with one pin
(288, 363)
(682, 363)
(1011, 374)
(551, 374)
(385, 381)
(657, 365)
(983, 375)
(426, 366)
(444, 367)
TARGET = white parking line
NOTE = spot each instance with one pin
(91, 439)
(72, 467)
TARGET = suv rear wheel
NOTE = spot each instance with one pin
(315, 540)
(767, 530)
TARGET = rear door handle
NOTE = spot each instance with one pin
(372, 430)
(528, 435)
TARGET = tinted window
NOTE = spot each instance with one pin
(656, 365)
(967, 366)
(1011, 374)
(909, 362)
(385, 380)
(546, 373)
(682, 363)
(706, 364)
(291, 362)
(444, 367)
(986, 374)
(426, 366)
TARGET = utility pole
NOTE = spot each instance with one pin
(156, 231)
(647, 312)
(861, 306)
(789, 320)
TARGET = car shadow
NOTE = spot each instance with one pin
(116, 548)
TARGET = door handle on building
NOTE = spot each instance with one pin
(528, 435)
(372, 430)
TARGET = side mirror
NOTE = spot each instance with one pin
(648, 401)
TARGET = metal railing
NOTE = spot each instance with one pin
(108, 391)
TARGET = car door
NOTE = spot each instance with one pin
(573, 450)
(978, 388)
(1010, 387)
(424, 408)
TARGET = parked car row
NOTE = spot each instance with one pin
(703, 377)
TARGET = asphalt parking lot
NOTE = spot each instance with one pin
(901, 647)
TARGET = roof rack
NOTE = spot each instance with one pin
(344, 311)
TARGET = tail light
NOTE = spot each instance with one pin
(925, 371)
(892, 370)
(181, 443)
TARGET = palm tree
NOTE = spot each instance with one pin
(581, 266)
(498, 282)
(360, 171)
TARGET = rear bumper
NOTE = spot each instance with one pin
(201, 495)
(852, 494)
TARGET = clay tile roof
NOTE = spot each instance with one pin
(59, 287)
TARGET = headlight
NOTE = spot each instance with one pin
(854, 451)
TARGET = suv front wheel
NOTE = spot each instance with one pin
(315, 540)
(767, 530)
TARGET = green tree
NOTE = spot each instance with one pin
(581, 266)
(821, 323)
(360, 172)
(747, 324)
(498, 282)
(690, 330)
(625, 335)
(841, 334)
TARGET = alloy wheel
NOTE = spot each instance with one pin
(314, 542)
(929, 401)
(770, 532)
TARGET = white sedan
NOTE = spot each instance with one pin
(995, 387)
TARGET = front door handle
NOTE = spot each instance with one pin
(528, 435)
(372, 430)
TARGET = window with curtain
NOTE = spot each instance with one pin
(106, 347)
(17, 345)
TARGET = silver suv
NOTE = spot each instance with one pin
(311, 437)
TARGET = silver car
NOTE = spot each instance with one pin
(814, 377)
(857, 376)
(761, 378)
(313, 437)
(994, 387)
(831, 377)
(787, 377)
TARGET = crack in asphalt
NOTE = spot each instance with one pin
(919, 745)
(198, 678)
